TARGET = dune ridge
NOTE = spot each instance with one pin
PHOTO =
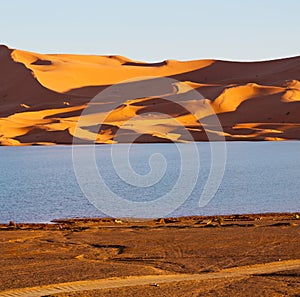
(42, 97)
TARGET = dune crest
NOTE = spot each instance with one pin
(62, 73)
(42, 97)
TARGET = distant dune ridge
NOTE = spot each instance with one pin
(43, 95)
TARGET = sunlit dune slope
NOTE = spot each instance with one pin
(45, 99)
(62, 73)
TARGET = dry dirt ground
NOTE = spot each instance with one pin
(239, 255)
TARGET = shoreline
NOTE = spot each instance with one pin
(296, 139)
(211, 220)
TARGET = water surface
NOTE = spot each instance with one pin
(38, 184)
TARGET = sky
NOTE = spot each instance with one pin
(155, 30)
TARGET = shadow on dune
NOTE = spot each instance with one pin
(21, 92)
(18, 86)
(274, 72)
(41, 62)
(158, 64)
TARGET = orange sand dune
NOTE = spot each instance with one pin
(62, 73)
(43, 95)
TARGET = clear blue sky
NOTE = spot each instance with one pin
(155, 30)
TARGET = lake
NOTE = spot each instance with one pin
(39, 184)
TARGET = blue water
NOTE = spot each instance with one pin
(38, 184)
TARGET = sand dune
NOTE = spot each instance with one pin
(43, 95)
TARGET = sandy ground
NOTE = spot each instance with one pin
(43, 95)
(239, 255)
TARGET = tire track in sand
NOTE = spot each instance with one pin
(130, 281)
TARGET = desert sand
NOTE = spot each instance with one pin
(237, 255)
(43, 95)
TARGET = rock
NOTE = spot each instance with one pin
(12, 224)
